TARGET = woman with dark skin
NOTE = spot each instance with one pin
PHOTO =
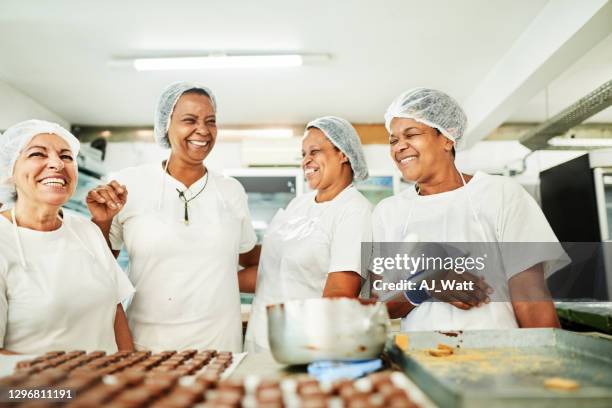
(185, 229)
(313, 247)
(448, 206)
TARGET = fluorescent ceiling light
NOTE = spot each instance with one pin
(218, 62)
(258, 133)
(560, 141)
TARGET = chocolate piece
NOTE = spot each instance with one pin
(310, 390)
(400, 402)
(14, 379)
(24, 364)
(236, 385)
(269, 395)
(195, 392)
(348, 391)
(305, 380)
(75, 353)
(172, 402)
(314, 402)
(94, 397)
(160, 384)
(363, 402)
(227, 398)
(130, 377)
(378, 379)
(196, 365)
(79, 383)
(35, 404)
(184, 370)
(267, 383)
(338, 385)
(134, 398)
(204, 359)
(208, 378)
(389, 391)
(188, 353)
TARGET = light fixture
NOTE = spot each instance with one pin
(216, 61)
(560, 141)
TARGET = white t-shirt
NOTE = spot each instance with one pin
(488, 209)
(185, 276)
(302, 245)
(64, 299)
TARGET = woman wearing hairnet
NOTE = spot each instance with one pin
(185, 229)
(60, 286)
(446, 205)
(313, 248)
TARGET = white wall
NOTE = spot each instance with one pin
(120, 155)
(488, 156)
(17, 106)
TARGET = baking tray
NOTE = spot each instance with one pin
(507, 368)
(595, 315)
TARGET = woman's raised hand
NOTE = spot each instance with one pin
(105, 201)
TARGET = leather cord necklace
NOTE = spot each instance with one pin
(186, 201)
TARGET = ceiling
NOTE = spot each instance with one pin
(582, 77)
(58, 53)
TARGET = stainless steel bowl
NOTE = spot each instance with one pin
(303, 331)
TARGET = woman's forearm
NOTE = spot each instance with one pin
(7, 352)
(342, 284)
(399, 307)
(123, 337)
(247, 279)
(534, 314)
(105, 227)
(250, 258)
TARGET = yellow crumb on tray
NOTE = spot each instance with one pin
(559, 383)
(444, 347)
(440, 352)
(401, 341)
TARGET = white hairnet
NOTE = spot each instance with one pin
(165, 107)
(15, 139)
(344, 136)
(430, 107)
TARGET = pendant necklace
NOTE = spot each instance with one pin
(186, 201)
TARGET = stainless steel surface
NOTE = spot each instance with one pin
(303, 331)
(584, 108)
(603, 193)
(507, 368)
(600, 197)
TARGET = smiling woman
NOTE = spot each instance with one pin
(449, 206)
(313, 247)
(185, 229)
(60, 287)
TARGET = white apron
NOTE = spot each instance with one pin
(290, 241)
(187, 292)
(452, 217)
(60, 296)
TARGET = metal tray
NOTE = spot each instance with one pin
(507, 368)
(595, 315)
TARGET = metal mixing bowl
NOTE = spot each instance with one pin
(303, 331)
